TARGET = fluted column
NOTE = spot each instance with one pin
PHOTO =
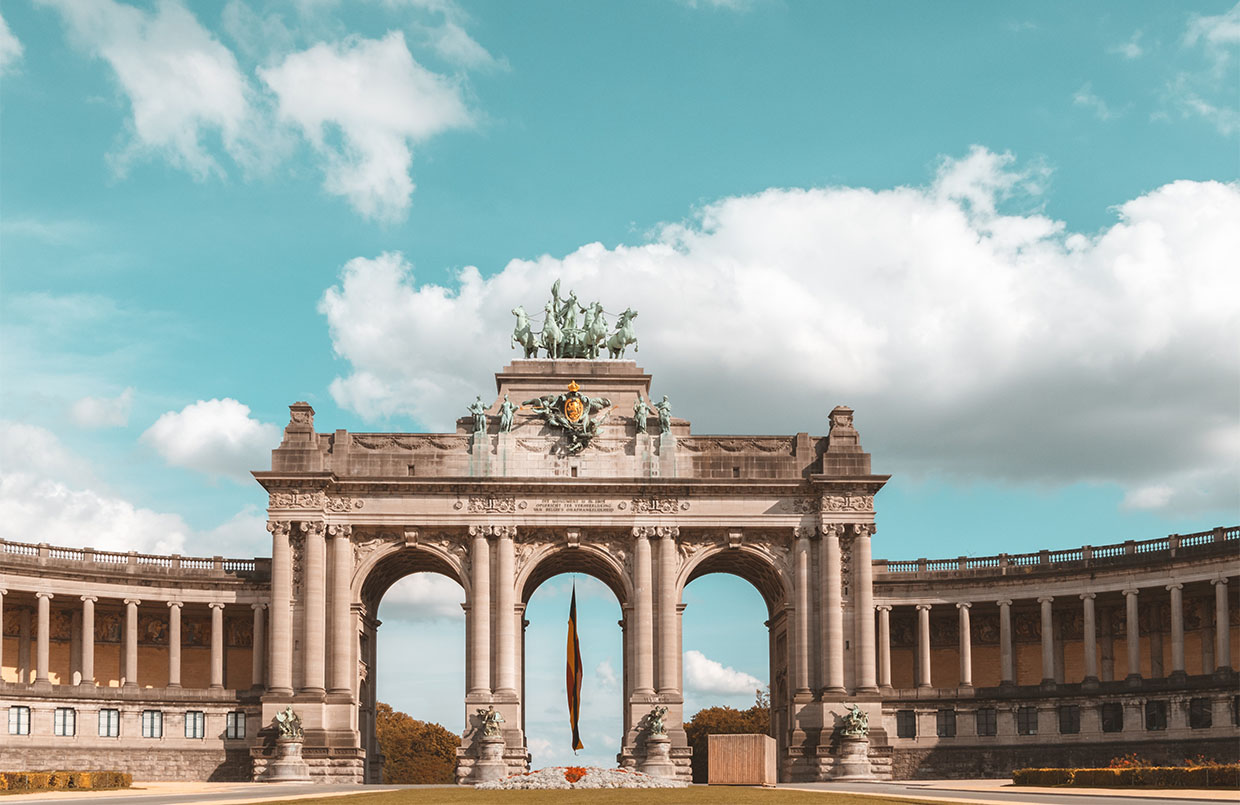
(1048, 640)
(480, 613)
(863, 605)
(832, 586)
(884, 645)
(88, 640)
(258, 646)
(923, 646)
(1177, 629)
(280, 644)
(24, 666)
(669, 639)
(1222, 626)
(505, 619)
(1090, 638)
(801, 652)
(3, 592)
(1006, 666)
(643, 630)
(174, 644)
(966, 646)
(342, 669)
(314, 610)
(131, 642)
(1132, 636)
(42, 636)
(217, 644)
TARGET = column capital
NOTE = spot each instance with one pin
(314, 528)
(133, 601)
(3, 591)
(1218, 581)
(1131, 591)
(175, 604)
(643, 531)
(864, 529)
(89, 598)
(1045, 599)
(805, 532)
(963, 604)
(340, 531)
(668, 531)
(216, 604)
(881, 607)
(43, 594)
(498, 531)
(259, 606)
(279, 527)
(925, 607)
(1004, 602)
(1175, 586)
(1087, 596)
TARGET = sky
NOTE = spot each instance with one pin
(1005, 234)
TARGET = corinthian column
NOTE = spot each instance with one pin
(1006, 675)
(1090, 639)
(801, 651)
(966, 646)
(863, 605)
(832, 582)
(341, 613)
(3, 592)
(644, 626)
(43, 635)
(1048, 637)
(314, 611)
(505, 613)
(884, 645)
(1222, 626)
(923, 646)
(217, 644)
(480, 613)
(1132, 637)
(280, 646)
(1177, 629)
(174, 644)
(88, 640)
(669, 620)
(258, 646)
(131, 642)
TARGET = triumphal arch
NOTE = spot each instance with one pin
(571, 466)
(175, 667)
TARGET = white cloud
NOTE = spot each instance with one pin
(10, 48)
(424, 597)
(103, 412)
(972, 342)
(606, 675)
(35, 451)
(1085, 97)
(380, 102)
(1217, 32)
(704, 675)
(1131, 49)
(452, 43)
(215, 437)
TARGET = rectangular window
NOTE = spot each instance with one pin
(195, 724)
(64, 721)
(1155, 715)
(19, 721)
(1026, 721)
(1235, 711)
(109, 723)
(1112, 717)
(945, 723)
(152, 724)
(1199, 715)
(1069, 719)
(906, 724)
(235, 726)
(987, 721)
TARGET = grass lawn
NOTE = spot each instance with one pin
(666, 796)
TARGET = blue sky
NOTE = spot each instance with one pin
(1003, 233)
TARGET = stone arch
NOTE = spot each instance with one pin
(593, 560)
(378, 570)
(758, 567)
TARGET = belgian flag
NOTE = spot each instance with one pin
(572, 679)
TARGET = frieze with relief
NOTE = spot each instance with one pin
(848, 503)
(658, 505)
(297, 499)
(495, 505)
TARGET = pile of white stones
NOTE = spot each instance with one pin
(594, 777)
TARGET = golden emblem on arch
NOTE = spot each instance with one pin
(574, 408)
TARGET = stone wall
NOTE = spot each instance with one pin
(151, 764)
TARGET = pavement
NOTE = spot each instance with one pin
(973, 792)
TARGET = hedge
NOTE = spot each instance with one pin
(1220, 776)
(63, 780)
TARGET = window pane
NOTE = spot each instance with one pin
(1155, 715)
(1069, 719)
(19, 721)
(1112, 717)
(946, 723)
(1199, 715)
(987, 721)
(1027, 721)
(109, 723)
(906, 724)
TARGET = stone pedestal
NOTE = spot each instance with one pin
(491, 764)
(287, 765)
(658, 761)
(853, 761)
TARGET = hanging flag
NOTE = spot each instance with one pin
(572, 675)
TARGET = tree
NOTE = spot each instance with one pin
(725, 721)
(415, 752)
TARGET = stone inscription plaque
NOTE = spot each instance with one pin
(590, 506)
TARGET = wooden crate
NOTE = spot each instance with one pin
(740, 760)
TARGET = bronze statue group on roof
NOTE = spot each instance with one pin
(562, 337)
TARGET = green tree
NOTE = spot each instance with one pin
(414, 752)
(725, 721)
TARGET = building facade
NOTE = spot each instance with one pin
(173, 667)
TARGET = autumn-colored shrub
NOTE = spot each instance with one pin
(414, 752)
(1042, 777)
(1129, 761)
(1214, 775)
(63, 780)
(725, 721)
